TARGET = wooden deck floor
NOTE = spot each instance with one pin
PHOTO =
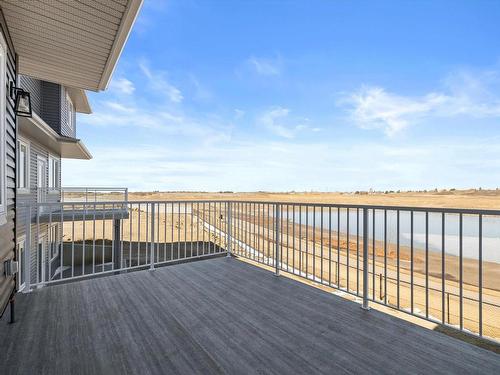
(218, 316)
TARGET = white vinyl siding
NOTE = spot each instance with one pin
(23, 166)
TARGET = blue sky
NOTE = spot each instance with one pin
(300, 95)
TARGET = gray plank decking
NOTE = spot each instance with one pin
(218, 316)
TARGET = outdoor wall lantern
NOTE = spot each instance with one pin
(22, 100)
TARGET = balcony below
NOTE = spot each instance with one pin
(218, 316)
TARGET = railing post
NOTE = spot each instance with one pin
(229, 239)
(365, 259)
(152, 245)
(27, 252)
(277, 234)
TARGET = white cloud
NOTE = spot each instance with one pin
(157, 81)
(265, 66)
(278, 122)
(119, 107)
(122, 85)
(463, 94)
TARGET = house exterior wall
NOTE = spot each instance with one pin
(50, 102)
(7, 228)
(30, 197)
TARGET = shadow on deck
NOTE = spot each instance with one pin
(218, 316)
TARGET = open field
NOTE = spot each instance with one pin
(486, 199)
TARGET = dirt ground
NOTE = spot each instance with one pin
(473, 198)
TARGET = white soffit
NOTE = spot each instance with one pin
(75, 43)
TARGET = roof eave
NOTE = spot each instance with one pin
(123, 33)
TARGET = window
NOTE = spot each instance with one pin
(23, 165)
(3, 155)
(54, 173)
(54, 241)
(21, 277)
(71, 113)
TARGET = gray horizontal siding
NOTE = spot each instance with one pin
(7, 230)
(50, 102)
(51, 105)
(30, 198)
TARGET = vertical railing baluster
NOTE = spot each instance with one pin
(287, 237)
(139, 234)
(314, 244)
(365, 259)
(397, 256)
(27, 251)
(374, 255)
(307, 240)
(321, 244)
(480, 260)
(357, 251)
(281, 237)
(338, 248)
(229, 238)
(93, 238)
(185, 229)
(427, 264)
(460, 285)
(131, 214)
(443, 268)
(411, 263)
(179, 229)
(83, 240)
(347, 250)
(330, 245)
(385, 256)
(61, 243)
(73, 240)
(300, 240)
(146, 242)
(152, 246)
(277, 240)
(165, 232)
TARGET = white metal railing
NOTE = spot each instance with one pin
(435, 263)
(93, 194)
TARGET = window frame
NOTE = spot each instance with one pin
(26, 166)
(21, 261)
(53, 186)
(71, 112)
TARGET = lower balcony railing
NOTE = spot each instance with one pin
(442, 265)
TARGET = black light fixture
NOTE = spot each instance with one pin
(22, 100)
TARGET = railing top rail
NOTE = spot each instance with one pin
(446, 210)
(84, 188)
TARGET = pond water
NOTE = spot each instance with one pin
(470, 229)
